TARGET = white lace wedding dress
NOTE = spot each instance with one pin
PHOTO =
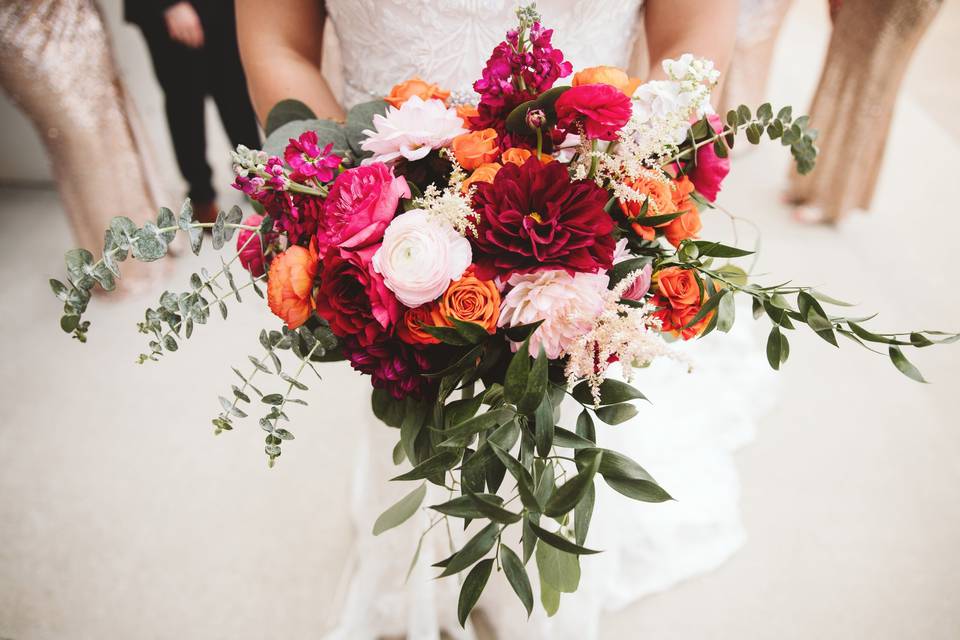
(685, 438)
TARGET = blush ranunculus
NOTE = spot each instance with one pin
(601, 109)
(250, 252)
(415, 86)
(290, 285)
(475, 148)
(483, 173)
(471, 299)
(613, 76)
(710, 169)
(534, 216)
(352, 296)
(361, 203)
(420, 257)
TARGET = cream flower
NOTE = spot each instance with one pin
(420, 257)
(411, 131)
(567, 304)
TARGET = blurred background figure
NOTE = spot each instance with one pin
(193, 46)
(870, 47)
(99, 157)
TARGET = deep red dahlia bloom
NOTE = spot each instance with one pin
(533, 216)
(394, 366)
(600, 108)
(353, 298)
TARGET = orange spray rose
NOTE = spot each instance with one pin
(688, 225)
(660, 199)
(290, 284)
(475, 148)
(483, 173)
(518, 155)
(467, 112)
(678, 298)
(613, 76)
(410, 329)
(472, 300)
(415, 87)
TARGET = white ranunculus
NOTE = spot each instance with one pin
(420, 257)
(412, 131)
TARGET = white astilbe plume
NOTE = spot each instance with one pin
(450, 205)
(620, 332)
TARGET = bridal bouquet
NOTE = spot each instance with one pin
(480, 263)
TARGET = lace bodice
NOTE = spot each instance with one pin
(384, 42)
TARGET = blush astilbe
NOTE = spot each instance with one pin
(532, 216)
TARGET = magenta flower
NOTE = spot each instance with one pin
(710, 170)
(308, 160)
(251, 253)
(394, 366)
(600, 109)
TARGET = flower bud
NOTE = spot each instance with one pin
(536, 118)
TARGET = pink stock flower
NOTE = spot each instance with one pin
(600, 108)
(307, 160)
(251, 253)
(710, 170)
(360, 205)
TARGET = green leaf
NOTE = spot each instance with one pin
(492, 510)
(815, 317)
(472, 332)
(585, 426)
(765, 112)
(518, 373)
(550, 599)
(778, 348)
(465, 507)
(617, 413)
(475, 548)
(400, 512)
(569, 494)
(627, 477)
(274, 399)
(545, 484)
(472, 588)
(284, 112)
(458, 435)
(559, 542)
(726, 313)
(707, 307)
(583, 514)
(624, 268)
(718, 250)
(543, 426)
(446, 335)
(611, 392)
(822, 297)
(359, 118)
(386, 408)
(217, 235)
(522, 476)
(414, 416)
(568, 440)
(517, 576)
(441, 462)
(536, 388)
(166, 219)
(905, 366)
(559, 569)
(149, 244)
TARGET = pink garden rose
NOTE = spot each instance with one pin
(600, 108)
(710, 170)
(361, 203)
(251, 254)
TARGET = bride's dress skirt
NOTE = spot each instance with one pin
(685, 438)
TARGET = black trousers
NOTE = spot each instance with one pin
(187, 76)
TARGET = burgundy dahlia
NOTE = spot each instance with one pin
(533, 216)
(353, 298)
(600, 109)
(394, 366)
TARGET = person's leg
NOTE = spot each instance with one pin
(181, 73)
(228, 85)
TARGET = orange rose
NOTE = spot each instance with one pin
(472, 300)
(517, 155)
(476, 148)
(657, 193)
(675, 321)
(678, 286)
(467, 112)
(688, 225)
(410, 330)
(483, 173)
(612, 76)
(415, 87)
(290, 284)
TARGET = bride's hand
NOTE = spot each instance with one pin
(281, 43)
(183, 24)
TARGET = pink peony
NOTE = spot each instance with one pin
(251, 253)
(360, 205)
(567, 304)
(710, 170)
(600, 108)
(307, 160)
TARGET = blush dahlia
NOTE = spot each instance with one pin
(533, 216)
